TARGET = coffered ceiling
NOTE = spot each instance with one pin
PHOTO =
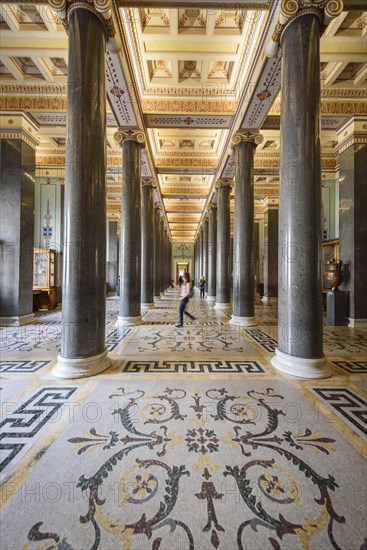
(189, 76)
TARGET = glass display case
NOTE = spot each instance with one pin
(330, 255)
(44, 270)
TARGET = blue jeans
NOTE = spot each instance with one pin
(182, 311)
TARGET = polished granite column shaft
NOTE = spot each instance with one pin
(157, 253)
(223, 290)
(130, 239)
(271, 232)
(300, 340)
(205, 249)
(243, 240)
(83, 350)
(161, 236)
(212, 253)
(256, 254)
(147, 243)
(112, 257)
(17, 232)
(200, 252)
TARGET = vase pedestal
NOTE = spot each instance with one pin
(336, 307)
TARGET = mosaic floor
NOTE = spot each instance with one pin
(190, 441)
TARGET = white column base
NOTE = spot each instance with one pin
(128, 321)
(222, 306)
(147, 305)
(211, 299)
(243, 321)
(357, 323)
(300, 366)
(17, 321)
(162, 295)
(81, 368)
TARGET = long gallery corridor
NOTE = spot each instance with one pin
(191, 440)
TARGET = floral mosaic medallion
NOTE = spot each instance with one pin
(156, 466)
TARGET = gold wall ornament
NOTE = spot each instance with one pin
(123, 135)
(253, 137)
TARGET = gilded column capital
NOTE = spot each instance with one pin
(224, 182)
(148, 182)
(122, 135)
(325, 10)
(252, 137)
(103, 9)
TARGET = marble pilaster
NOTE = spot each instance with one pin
(17, 232)
(223, 289)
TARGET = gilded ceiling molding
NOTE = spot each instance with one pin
(103, 9)
(186, 162)
(325, 10)
(340, 107)
(188, 106)
(148, 182)
(224, 182)
(251, 137)
(122, 135)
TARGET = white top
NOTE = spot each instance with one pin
(185, 290)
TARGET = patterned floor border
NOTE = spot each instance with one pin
(191, 367)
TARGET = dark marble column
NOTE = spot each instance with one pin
(352, 217)
(243, 256)
(198, 258)
(256, 254)
(212, 254)
(17, 232)
(223, 290)
(83, 350)
(163, 251)
(147, 243)
(112, 259)
(205, 250)
(157, 252)
(271, 231)
(130, 238)
(300, 341)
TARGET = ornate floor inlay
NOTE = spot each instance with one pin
(211, 340)
(347, 405)
(20, 426)
(267, 342)
(22, 366)
(191, 465)
(353, 367)
(202, 367)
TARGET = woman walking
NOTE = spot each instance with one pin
(185, 296)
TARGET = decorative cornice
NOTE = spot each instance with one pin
(245, 136)
(148, 182)
(325, 10)
(122, 135)
(188, 106)
(224, 182)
